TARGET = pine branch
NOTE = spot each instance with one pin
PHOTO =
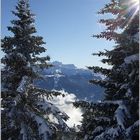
(101, 70)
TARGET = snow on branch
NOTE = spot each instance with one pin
(52, 109)
(23, 84)
(23, 132)
(110, 134)
(43, 128)
(131, 58)
(136, 37)
(44, 93)
(121, 114)
(98, 130)
(132, 128)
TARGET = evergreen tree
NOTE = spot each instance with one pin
(117, 116)
(25, 108)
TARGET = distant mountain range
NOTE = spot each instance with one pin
(71, 79)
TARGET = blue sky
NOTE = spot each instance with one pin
(67, 27)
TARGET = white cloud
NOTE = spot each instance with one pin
(65, 104)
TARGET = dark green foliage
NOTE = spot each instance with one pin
(116, 117)
(26, 110)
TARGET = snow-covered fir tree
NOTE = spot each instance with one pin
(117, 116)
(26, 110)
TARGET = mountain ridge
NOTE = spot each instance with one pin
(71, 79)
